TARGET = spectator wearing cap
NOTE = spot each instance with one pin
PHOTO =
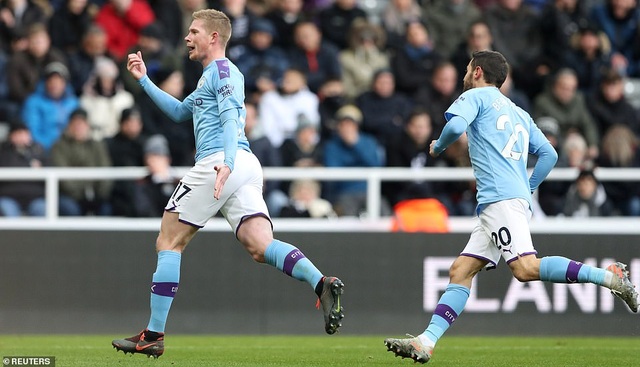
(609, 105)
(383, 109)
(104, 98)
(262, 63)
(180, 136)
(76, 148)
(26, 68)
(46, 111)
(123, 20)
(126, 147)
(282, 110)
(350, 148)
(152, 193)
(21, 197)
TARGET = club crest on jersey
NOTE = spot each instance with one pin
(223, 69)
(201, 82)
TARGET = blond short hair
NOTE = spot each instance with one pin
(215, 21)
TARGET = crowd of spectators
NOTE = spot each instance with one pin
(333, 83)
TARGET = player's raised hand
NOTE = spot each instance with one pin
(136, 65)
(223, 172)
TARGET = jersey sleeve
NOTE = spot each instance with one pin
(228, 88)
(466, 106)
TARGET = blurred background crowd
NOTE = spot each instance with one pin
(333, 83)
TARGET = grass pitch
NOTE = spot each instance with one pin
(328, 351)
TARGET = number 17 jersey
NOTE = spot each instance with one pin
(500, 135)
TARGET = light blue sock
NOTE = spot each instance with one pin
(449, 307)
(558, 269)
(292, 262)
(164, 288)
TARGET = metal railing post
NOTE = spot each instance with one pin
(52, 183)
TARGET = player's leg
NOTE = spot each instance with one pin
(256, 235)
(449, 307)
(173, 238)
(558, 269)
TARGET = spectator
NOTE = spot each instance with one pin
(157, 53)
(410, 149)
(395, 17)
(126, 148)
(332, 96)
(317, 59)
(439, 94)
(589, 56)
(517, 96)
(351, 148)
(262, 64)
(303, 150)
(105, 99)
(187, 8)
(560, 20)
(620, 21)
(21, 197)
(609, 106)
(284, 16)
(306, 202)
(415, 61)
(25, 68)
(516, 34)
(620, 150)
(47, 110)
(268, 155)
(282, 110)
(567, 105)
(68, 25)
(363, 58)
(122, 21)
(384, 110)
(336, 20)
(169, 14)
(17, 16)
(179, 135)
(82, 61)
(448, 34)
(573, 154)
(459, 197)
(241, 20)
(76, 149)
(152, 193)
(478, 38)
(586, 197)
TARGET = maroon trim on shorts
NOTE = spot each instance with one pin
(252, 216)
(488, 267)
(189, 223)
(521, 255)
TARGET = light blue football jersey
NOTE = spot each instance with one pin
(220, 88)
(501, 135)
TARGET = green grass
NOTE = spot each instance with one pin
(327, 351)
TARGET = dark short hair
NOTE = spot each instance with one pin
(493, 64)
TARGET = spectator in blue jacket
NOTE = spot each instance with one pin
(46, 111)
(262, 64)
(350, 148)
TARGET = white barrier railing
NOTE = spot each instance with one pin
(373, 176)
